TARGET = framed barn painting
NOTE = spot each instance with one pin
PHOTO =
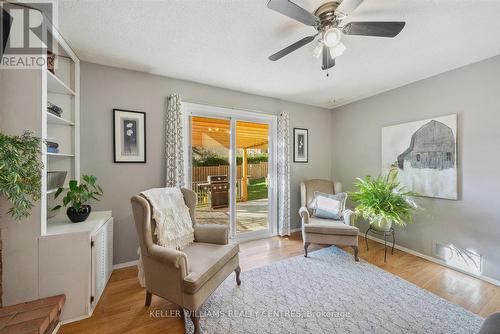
(129, 134)
(300, 145)
(425, 153)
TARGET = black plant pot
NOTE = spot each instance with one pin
(80, 215)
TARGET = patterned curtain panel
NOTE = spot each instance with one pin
(284, 174)
(174, 143)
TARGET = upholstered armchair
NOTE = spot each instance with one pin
(325, 231)
(186, 277)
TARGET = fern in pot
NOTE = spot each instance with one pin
(78, 196)
(383, 202)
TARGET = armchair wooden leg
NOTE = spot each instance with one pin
(356, 251)
(183, 316)
(306, 244)
(149, 296)
(196, 322)
(238, 271)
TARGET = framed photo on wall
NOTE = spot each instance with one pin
(129, 136)
(300, 145)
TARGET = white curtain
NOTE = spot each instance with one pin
(174, 143)
(283, 174)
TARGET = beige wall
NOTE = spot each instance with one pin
(472, 92)
(104, 88)
(20, 99)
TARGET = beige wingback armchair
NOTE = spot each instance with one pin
(187, 277)
(325, 231)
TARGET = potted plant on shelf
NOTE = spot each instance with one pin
(383, 202)
(20, 172)
(77, 197)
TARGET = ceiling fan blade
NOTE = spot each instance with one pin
(379, 29)
(288, 8)
(328, 61)
(291, 48)
(348, 6)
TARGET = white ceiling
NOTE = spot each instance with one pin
(226, 43)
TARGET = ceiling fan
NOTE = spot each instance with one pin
(327, 20)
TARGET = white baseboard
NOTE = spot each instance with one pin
(297, 229)
(433, 259)
(125, 264)
(68, 321)
(56, 329)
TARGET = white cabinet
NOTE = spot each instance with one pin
(76, 259)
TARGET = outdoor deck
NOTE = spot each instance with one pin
(250, 215)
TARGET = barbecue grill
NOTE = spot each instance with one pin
(218, 191)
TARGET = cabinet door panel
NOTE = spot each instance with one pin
(64, 268)
(102, 259)
(109, 249)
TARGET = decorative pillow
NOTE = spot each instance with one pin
(329, 206)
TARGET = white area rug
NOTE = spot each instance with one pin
(328, 293)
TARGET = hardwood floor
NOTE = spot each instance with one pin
(121, 308)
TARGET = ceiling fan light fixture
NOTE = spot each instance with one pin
(318, 50)
(331, 37)
(338, 50)
(328, 22)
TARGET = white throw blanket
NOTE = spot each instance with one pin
(174, 228)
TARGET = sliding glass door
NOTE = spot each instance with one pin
(252, 160)
(230, 159)
(210, 170)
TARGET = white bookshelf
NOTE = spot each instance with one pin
(53, 119)
(61, 88)
(57, 86)
(60, 155)
(51, 191)
(62, 245)
(37, 261)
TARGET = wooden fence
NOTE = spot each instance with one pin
(255, 171)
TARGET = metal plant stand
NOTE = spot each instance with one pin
(385, 234)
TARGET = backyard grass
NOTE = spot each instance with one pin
(257, 189)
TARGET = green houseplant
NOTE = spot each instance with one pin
(20, 172)
(77, 197)
(382, 201)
